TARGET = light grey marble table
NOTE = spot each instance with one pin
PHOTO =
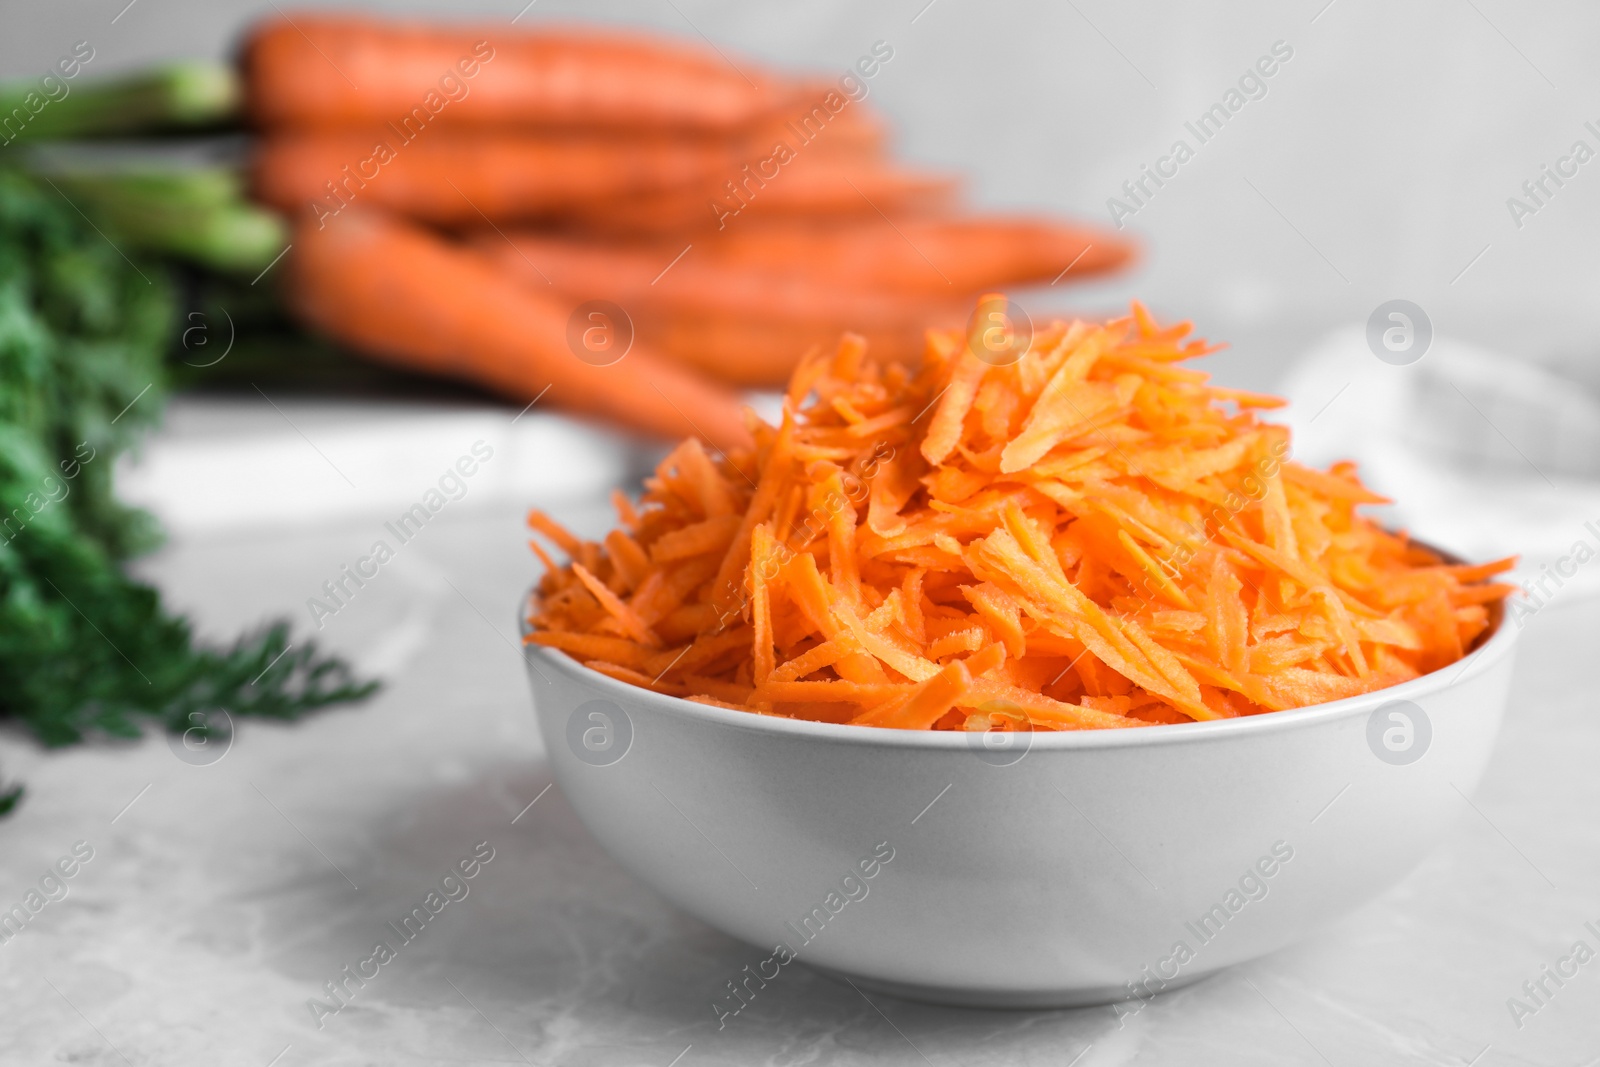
(220, 899)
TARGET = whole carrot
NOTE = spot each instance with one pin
(313, 70)
(925, 253)
(403, 296)
(846, 272)
(812, 189)
(662, 274)
(452, 178)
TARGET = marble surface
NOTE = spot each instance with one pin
(220, 898)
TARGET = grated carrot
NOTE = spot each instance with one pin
(1089, 537)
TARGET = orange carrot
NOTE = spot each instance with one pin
(403, 296)
(964, 254)
(454, 178)
(640, 273)
(313, 70)
(814, 188)
(790, 263)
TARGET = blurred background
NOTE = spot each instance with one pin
(1391, 141)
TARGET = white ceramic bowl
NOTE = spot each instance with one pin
(1071, 868)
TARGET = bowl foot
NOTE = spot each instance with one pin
(999, 999)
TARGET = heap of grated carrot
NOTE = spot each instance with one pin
(1075, 533)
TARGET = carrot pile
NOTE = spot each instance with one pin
(737, 215)
(1075, 533)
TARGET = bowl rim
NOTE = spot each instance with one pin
(1489, 651)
